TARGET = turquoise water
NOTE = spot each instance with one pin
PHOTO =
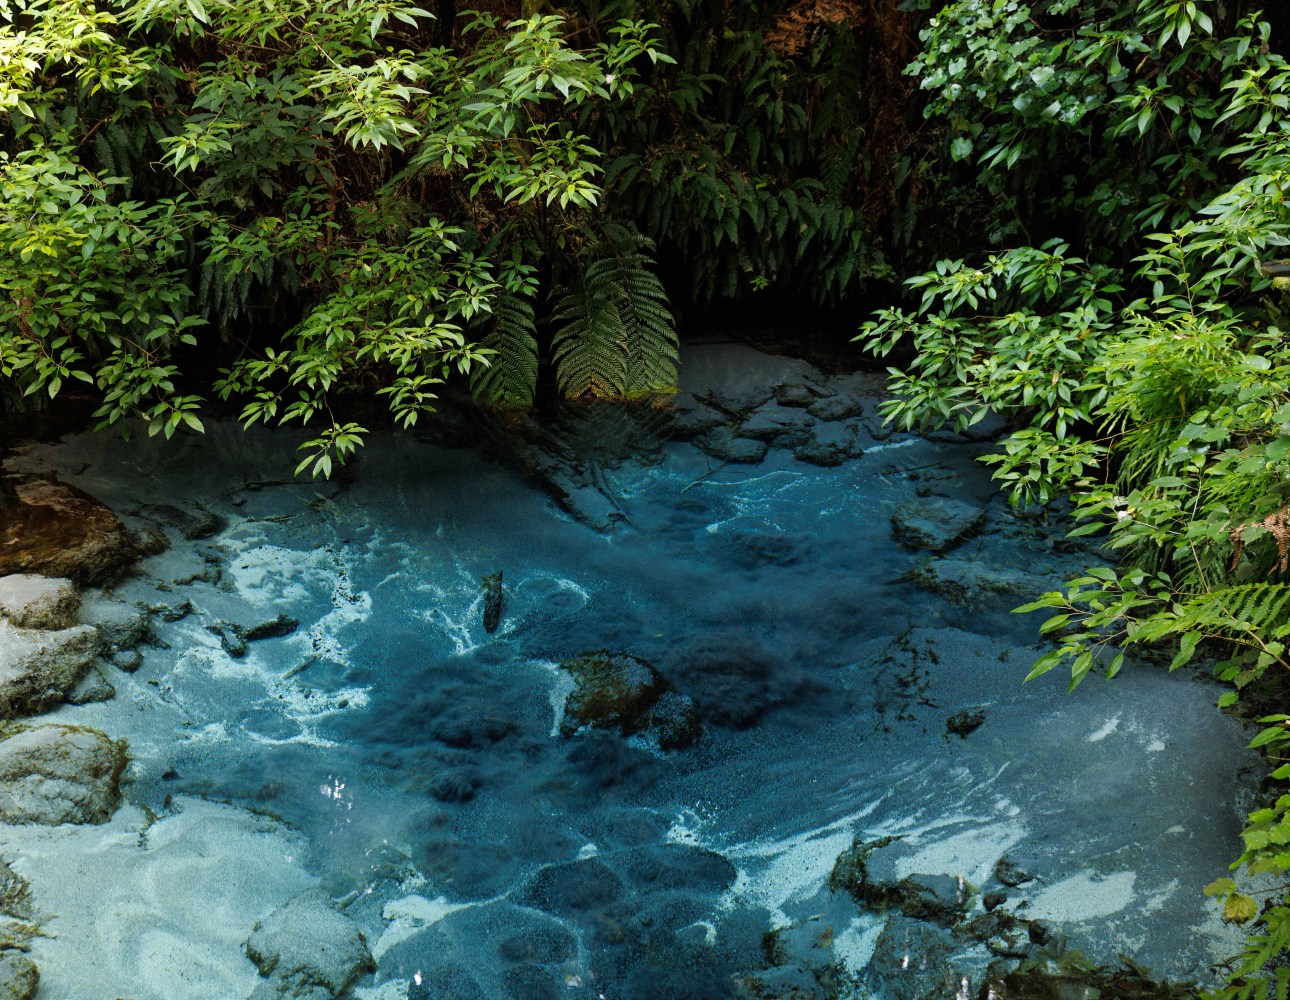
(415, 761)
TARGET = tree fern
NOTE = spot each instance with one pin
(614, 335)
(510, 379)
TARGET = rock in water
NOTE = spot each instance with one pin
(492, 601)
(60, 774)
(911, 961)
(307, 950)
(31, 601)
(18, 977)
(935, 523)
(38, 668)
(56, 530)
(967, 721)
(612, 691)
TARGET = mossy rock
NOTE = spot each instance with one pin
(611, 691)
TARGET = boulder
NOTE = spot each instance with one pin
(59, 774)
(721, 443)
(493, 594)
(830, 444)
(797, 394)
(58, 531)
(611, 691)
(777, 424)
(692, 417)
(32, 601)
(18, 977)
(120, 626)
(911, 961)
(935, 523)
(38, 668)
(974, 584)
(307, 950)
(93, 687)
(674, 721)
(1007, 873)
(843, 406)
(941, 899)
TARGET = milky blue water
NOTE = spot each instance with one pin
(485, 855)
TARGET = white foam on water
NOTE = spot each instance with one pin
(410, 915)
(854, 946)
(1110, 726)
(970, 854)
(1084, 896)
(562, 685)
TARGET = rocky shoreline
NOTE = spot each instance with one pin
(138, 630)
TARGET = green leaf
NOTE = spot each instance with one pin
(1239, 908)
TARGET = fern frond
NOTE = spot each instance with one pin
(614, 332)
(510, 378)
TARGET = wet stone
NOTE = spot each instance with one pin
(840, 407)
(56, 530)
(674, 721)
(973, 584)
(778, 425)
(191, 523)
(612, 691)
(120, 626)
(797, 395)
(830, 444)
(1007, 873)
(942, 899)
(911, 961)
(31, 601)
(675, 866)
(969, 720)
(37, 668)
(492, 601)
(935, 523)
(722, 444)
(787, 982)
(692, 417)
(60, 774)
(307, 950)
(93, 687)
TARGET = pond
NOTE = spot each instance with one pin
(808, 679)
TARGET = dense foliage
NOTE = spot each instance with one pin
(1139, 355)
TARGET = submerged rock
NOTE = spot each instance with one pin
(60, 774)
(58, 531)
(617, 691)
(32, 601)
(1007, 873)
(492, 601)
(192, 524)
(38, 668)
(911, 961)
(941, 899)
(307, 950)
(783, 982)
(779, 425)
(935, 523)
(975, 584)
(692, 417)
(797, 394)
(830, 444)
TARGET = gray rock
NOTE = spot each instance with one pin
(192, 524)
(1007, 873)
(38, 668)
(31, 601)
(777, 424)
(840, 407)
(911, 961)
(974, 584)
(120, 625)
(797, 394)
(60, 774)
(92, 687)
(808, 945)
(493, 596)
(935, 523)
(18, 977)
(128, 660)
(831, 444)
(722, 444)
(692, 417)
(307, 950)
(674, 721)
(942, 899)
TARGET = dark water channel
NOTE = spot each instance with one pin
(410, 764)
